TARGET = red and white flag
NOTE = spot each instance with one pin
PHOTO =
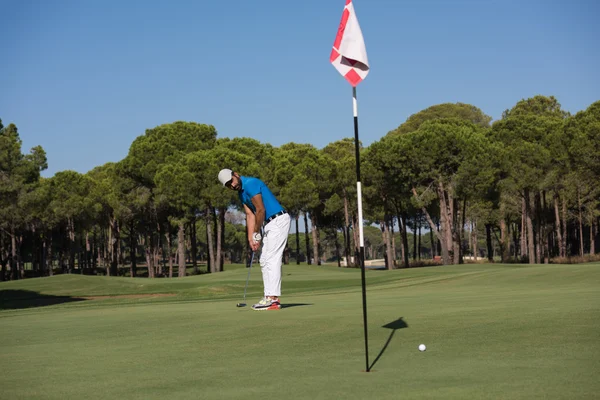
(349, 55)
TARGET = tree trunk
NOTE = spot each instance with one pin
(120, 258)
(42, 254)
(3, 257)
(20, 263)
(564, 225)
(307, 239)
(547, 248)
(593, 237)
(523, 228)
(210, 239)
(470, 236)
(539, 228)
(35, 251)
(169, 251)
(404, 240)
(488, 241)
(415, 222)
(159, 268)
(439, 235)
(389, 255)
(546, 232)
(383, 228)
(393, 240)
(100, 249)
(161, 258)
(459, 233)
(402, 249)
(433, 244)
(71, 234)
(87, 252)
(338, 253)
(49, 255)
(516, 245)
(181, 250)
(504, 242)
(562, 251)
(446, 221)
(149, 251)
(530, 232)
(580, 219)
(13, 258)
(3, 262)
(109, 248)
(296, 217)
(132, 249)
(221, 238)
(194, 245)
(315, 237)
(419, 241)
(114, 260)
(475, 244)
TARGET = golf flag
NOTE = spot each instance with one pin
(349, 55)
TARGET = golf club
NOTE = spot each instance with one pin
(243, 304)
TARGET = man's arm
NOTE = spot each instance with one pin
(254, 220)
(259, 216)
(250, 223)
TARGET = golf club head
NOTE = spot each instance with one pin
(240, 305)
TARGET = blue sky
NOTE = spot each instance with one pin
(84, 78)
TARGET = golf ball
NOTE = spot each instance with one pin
(422, 347)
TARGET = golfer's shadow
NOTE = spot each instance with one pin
(290, 305)
(394, 326)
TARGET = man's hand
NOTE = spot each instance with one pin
(255, 241)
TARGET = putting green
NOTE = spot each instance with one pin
(492, 331)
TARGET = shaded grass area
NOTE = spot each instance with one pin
(492, 331)
(17, 298)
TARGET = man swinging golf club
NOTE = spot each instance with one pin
(262, 208)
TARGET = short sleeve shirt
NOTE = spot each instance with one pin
(253, 186)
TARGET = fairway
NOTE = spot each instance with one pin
(492, 332)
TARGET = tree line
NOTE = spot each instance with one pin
(527, 183)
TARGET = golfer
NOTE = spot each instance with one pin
(262, 208)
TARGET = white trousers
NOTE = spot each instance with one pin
(274, 243)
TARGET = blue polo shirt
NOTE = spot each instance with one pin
(253, 186)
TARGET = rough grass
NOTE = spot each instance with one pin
(492, 331)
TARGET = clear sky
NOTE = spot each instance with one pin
(84, 78)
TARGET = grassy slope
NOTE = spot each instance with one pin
(492, 331)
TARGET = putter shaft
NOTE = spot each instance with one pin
(247, 279)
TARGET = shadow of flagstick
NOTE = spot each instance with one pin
(394, 326)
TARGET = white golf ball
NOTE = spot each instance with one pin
(422, 347)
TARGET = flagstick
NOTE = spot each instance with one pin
(360, 226)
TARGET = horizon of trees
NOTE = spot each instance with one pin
(524, 188)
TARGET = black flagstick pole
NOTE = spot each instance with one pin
(360, 227)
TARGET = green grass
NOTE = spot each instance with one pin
(492, 332)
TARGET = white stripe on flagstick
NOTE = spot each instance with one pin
(360, 214)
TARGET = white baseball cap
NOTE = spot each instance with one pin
(225, 175)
